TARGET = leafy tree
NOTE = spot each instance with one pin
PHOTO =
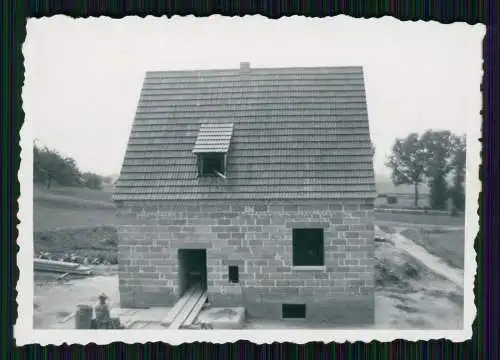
(50, 166)
(408, 162)
(438, 146)
(92, 181)
(457, 191)
(107, 179)
(39, 173)
(438, 191)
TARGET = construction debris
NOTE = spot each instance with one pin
(86, 259)
(60, 267)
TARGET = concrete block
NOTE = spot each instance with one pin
(223, 318)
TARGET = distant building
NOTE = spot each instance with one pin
(256, 184)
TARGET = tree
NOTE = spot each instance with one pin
(92, 181)
(49, 166)
(39, 173)
(437, 145)
(458, 158)
(408, 162)
(107, 179)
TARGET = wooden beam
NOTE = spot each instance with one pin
(172, 314)
(196, 310)
(186, 310)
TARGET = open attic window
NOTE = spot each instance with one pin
(212, 148)
(211, 164)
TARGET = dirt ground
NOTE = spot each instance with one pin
(410, 295)
(55, 300)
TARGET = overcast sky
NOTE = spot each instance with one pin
(83, 77)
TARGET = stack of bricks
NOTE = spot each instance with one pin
(257, 237)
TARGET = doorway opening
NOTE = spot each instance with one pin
(192, 269)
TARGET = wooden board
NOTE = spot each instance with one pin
(59, 264)
(186, 310)
(196, 310)
(172, 314)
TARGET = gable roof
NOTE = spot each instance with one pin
(298, 133)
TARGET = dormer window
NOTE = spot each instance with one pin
(212, 163)
(212, 148)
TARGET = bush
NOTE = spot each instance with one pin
(101, 258)
(112, 259)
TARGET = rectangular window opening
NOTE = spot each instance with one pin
(211, 164)
(234, 275)
(293, 311)
(308, 248)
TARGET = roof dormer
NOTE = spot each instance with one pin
(212, 148)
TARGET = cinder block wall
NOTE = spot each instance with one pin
(258, 238)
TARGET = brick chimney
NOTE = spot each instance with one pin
(245, 66)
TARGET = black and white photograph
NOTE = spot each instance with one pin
(216, 179)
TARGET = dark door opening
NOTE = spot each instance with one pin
(192, 269)
(293, 311)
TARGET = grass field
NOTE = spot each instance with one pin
(448, 245)
(74, 192)
(437, 220)
(74, 220)
(64, 208)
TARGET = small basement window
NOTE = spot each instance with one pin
(211, 164)
(234, 275)
(293, 311)
(308, 248)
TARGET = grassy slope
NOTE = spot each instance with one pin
(63, 208)
(74, 220)
(445, 244)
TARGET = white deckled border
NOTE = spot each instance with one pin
(25, 334)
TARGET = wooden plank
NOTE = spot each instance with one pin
(188, 307)
(172, 314)
(186, 310)
(60, 264)
(196, 310)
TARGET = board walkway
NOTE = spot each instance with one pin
(185, 311)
